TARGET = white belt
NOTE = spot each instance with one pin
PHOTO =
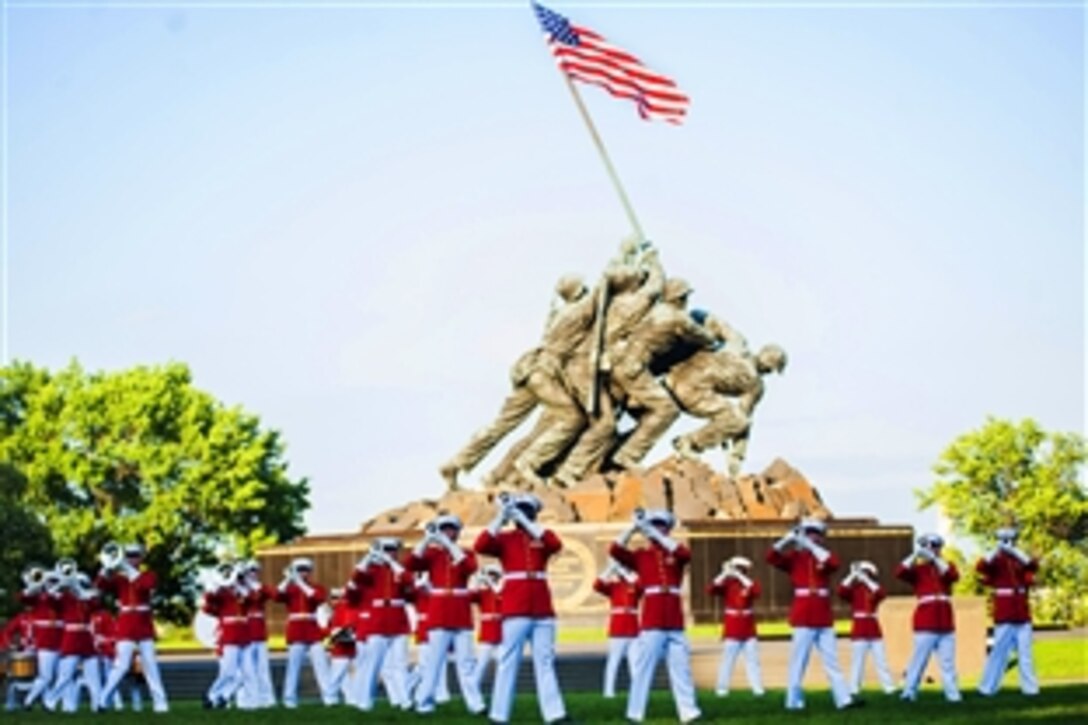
(235, 620)
(77, 628)
(624, 610)
(490, 617)
(451, 592)
(256, 616)
(47, 623)
(388, 603)
(662, 590)
(301, 615)
(811, 592)
(926, 598)
(525, 575)
(136, 608)
(737, 612)
(864, 615)
(1010, 592)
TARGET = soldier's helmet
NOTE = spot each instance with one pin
(570, 287)
(676, 290)
(771, 358)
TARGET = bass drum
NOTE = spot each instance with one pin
(23, 666)
(206, 630)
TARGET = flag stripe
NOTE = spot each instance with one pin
(584, 55)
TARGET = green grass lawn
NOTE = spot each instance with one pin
(1066, 703)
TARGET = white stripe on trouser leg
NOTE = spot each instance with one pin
(47, 670)
(619, 649)
(516, 631)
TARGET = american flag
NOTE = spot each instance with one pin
(586, 56)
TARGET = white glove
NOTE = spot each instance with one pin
(745, 581)
(908, 562)
(667, 543)
(821, 554)
(498, 522)
(532, 528)
(726, 572)
(625, 536)
(284, 584)
(854, 574)
(421, 546)
(867, 582)
(786, 541)
(941, 564)
(306, 588)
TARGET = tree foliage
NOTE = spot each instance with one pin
(1017, 474)
(26, 539)
(142, 455)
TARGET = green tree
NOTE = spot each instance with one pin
(26, 539)
(1017, 474)
(142, 455)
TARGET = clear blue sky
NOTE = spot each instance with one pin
(349, 219)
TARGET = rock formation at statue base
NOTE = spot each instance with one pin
(689, 488)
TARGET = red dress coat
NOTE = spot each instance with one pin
(489, 603)
(934, 592)
(863, 605)
(448, 602)
(229, 607)
(623, 598)
(134, 622)
(77, 639)
(525, 591)
(255, 604)
(660, 574)
(738, 619)
(302, 627)
(43, 610)
(811, 585)
(104, 631)
(1011, 580)
(388, 595)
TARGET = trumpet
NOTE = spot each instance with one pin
(111, 556)
(33, 576)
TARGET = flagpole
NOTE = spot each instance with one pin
(604, 157)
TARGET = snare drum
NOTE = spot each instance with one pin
(24, 666)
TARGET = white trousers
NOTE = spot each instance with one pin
(802, 642)
(47, 670)
(672, 644)
(388, 657)
(619, 649)
(1008, 637)
(262, 671)
(730, 649)
(297, 653)
(485, 654)
(121, 664)
(859, 650)
(340, 680)
(235, 671)
(11, 701)
(540, 633)
(438, 647)
(65, 688)
(925, 643)
(105, 665)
